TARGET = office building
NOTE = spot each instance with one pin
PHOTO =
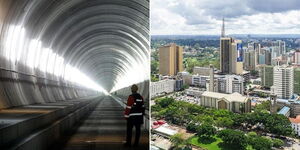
(262, 59)
(234, 102)
(296, 58)
(162, 87)
(199, 81)
(297, 80)
(268, 57)
(186, 77)
(250, 61)
(278, 49)
(266, 75)
(283, 81)
(170, 60)
(179, 85)
(230, 84)
(231, 54)
(204, 71)
(236, 57)
(225, 49)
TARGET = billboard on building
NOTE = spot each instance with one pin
(239, 48)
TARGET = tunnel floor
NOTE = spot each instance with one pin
(103, 128)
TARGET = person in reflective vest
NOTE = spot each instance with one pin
(134, 113)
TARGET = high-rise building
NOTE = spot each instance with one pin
(236, 57)
(204, 71)
(170, 59)
(262, 59)
(268, 57)
(250, 61)
(297, 80)
(225, 49)
(256, 47)
(231, 54)
(278, 49)
(231, 84)
(266, 75)
(283, 81)
(296, 58)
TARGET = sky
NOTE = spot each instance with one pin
(204, 17)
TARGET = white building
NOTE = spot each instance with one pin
(194, 92)
(297, 58)
(204, 71)
(199, 80)
(283, 81)
(295, 122)
(230, 84)
(162, 87)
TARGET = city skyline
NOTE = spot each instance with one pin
(201, 17)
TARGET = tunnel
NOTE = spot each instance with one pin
(66, 68)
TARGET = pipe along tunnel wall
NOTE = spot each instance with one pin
(58, 56)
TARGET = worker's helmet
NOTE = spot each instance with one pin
(134, 88)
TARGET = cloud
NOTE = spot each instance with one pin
(204, 16)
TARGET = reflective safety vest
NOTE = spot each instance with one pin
(135, 106)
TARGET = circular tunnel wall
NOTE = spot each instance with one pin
(55, 50)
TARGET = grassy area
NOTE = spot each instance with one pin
(212, 144)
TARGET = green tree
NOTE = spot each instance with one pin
(224, 122)
(164, 102)
(207, 119)
(277, 143)
(192, 127)
(278, 124)
(179, 143)
(232, 137)
(154, 66)
(185, 86)
(261, 143)
(263, 106)
(206, 131)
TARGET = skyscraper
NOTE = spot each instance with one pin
(283, 81)
(278, 49)
(231, 54)
(170, 59)
(225, 49)
(297, 80)
(236, 57)
(250, 59)
(296, 58)
(266, 75)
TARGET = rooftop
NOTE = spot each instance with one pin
(295, 120)
(234, 97)
(284, 110)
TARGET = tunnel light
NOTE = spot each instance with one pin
(32, 53)
(44, 59)
(136, 73)
(51, 62)
(38, 53)
(59, 66)
(74, 75)
(14, 43)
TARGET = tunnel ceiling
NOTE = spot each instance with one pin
(107, 40)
